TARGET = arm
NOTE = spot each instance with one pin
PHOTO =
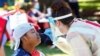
(2, 52)
(64, 46)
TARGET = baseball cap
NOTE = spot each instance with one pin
(19, 31)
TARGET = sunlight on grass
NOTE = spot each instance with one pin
(57, 55)
(98, 8)
(90, 4)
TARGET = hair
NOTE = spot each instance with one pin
(44, 4)
(21, 43)
(26, 6)
(60, 8)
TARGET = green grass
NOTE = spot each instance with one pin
(8, 51)
(89, 4)
(51, 52)
(84, 4)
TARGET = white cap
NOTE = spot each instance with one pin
(19, 31)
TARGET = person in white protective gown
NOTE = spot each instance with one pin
(80, 37)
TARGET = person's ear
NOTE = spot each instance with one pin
(24, 38)
(57, 23)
